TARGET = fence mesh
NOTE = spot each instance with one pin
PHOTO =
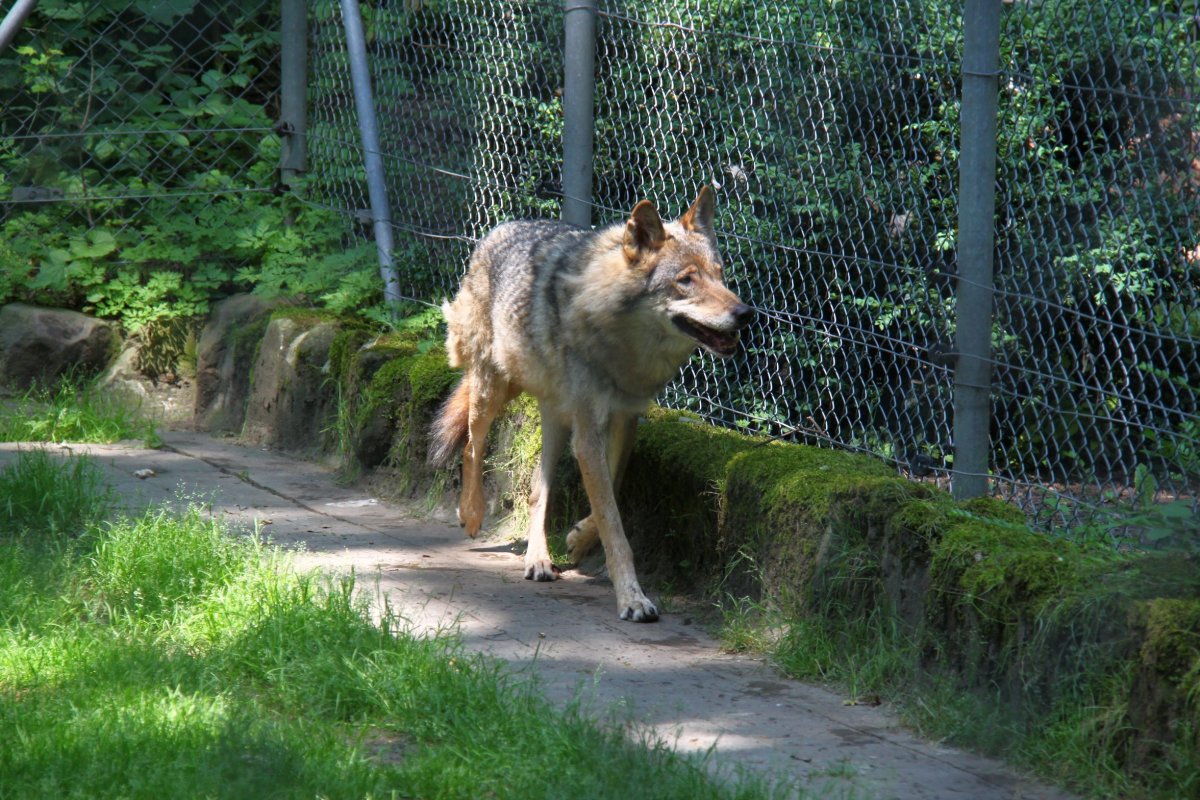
(831, 134)
(830, 131)
(831, 202)
(469, 112)
(1097, 376)
(131, 135)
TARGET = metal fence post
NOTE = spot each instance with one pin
(14, 19)
(579, 83)
(293, 86)
(364, 103)
(976, 241)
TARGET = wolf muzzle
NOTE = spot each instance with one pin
(720, 342)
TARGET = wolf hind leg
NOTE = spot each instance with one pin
(584, 534)
(488, 398)
(538, 564)
(582, 538)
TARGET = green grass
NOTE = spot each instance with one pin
(74, 412)
(40, 492)
(868, 657)
(161, 656)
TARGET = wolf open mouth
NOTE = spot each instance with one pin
(719, 343)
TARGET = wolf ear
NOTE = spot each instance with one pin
(644, 231)
(699, 217)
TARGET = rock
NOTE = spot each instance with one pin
(40, 345)
(122, 376)
(224, 360)
(167, 404)
(371, 438)
(292, 401)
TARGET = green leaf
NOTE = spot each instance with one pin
(96, 244)
(52, 273)
(213, 79)
(165, 11)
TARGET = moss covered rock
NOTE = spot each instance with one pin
(390, 387)
(225, 356)
(1164, 702)
(671, 496)
(292, 402)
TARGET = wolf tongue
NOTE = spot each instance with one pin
(722, 342)
(717, 341)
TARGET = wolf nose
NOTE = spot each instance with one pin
(743, 315)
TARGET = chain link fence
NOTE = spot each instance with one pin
(829, 203)
(135, 139)
(469, 110)
(830, 131)
(1097, 377)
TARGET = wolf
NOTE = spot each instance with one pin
(593, 324)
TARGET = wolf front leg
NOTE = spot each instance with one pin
(622, 431)
(591, 450)
(538, 566)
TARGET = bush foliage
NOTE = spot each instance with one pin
(139, 166)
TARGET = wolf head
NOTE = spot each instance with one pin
(685, 275)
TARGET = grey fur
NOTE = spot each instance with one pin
(593, 324)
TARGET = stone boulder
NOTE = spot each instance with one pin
(40, 345)
(225, 357)
(166, 403)
(292, 401)
(375, 422)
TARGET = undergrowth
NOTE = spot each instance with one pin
(74, 411)
(158, 655)
(869, 656)
(38, 491)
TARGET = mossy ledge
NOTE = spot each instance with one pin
(839, 543)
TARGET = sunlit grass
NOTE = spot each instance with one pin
(161, 656)
(74, 411)
(39, 491)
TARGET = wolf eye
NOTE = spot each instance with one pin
(685, 279)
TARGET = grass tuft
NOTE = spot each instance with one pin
(74, 412)
(44, 494)
(160, 655)
(150, 564)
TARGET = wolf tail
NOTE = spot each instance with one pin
(448, 433)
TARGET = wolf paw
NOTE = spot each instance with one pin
(470, 522)
(581, 539)
(541, 570)
(639, 610)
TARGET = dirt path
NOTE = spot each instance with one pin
(670, 675)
